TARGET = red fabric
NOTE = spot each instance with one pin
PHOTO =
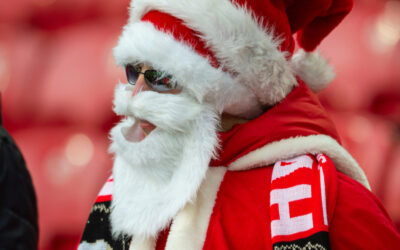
(102, 198)
(323, 22)
(241, 218)
(272, 13)
(170, 24)
(332, 185)
(357, 220)
(162, 239)
(240, 210)
(360, 221)
(299, 114)
(308, 173)
(313, 20)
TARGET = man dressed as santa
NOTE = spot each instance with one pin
(223, 143)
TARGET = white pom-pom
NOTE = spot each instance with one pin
(313, 69)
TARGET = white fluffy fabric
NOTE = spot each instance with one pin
(141, 42)
(143, 244)
(296, 146)
(189, 228)
(156, 177)
(98, 245)
(240, 43)
(313, 69)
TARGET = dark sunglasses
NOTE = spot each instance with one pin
(155, 80)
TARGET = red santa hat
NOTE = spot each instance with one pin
(235, 53)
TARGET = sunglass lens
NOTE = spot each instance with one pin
(132, 74)
(158, 81)
(151, 76)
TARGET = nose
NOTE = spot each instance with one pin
(140, 85)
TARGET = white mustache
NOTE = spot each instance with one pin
(165, 111)
(122, 97)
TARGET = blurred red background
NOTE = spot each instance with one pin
(57, 77)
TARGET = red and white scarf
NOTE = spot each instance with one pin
(298, 203)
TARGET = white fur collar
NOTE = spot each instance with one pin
(295, 146)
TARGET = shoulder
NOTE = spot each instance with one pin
(356, 218)
(360, 221)
(18, 211)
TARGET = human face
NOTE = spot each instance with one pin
(142, 85)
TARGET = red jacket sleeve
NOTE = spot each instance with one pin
(360, 221)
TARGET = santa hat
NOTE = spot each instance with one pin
(234, 53)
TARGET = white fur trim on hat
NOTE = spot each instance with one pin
(313, 69)
(142, 42)
(239, 42)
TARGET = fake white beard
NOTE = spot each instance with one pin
(156, 177)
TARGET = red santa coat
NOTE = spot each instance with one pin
(290, 151)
